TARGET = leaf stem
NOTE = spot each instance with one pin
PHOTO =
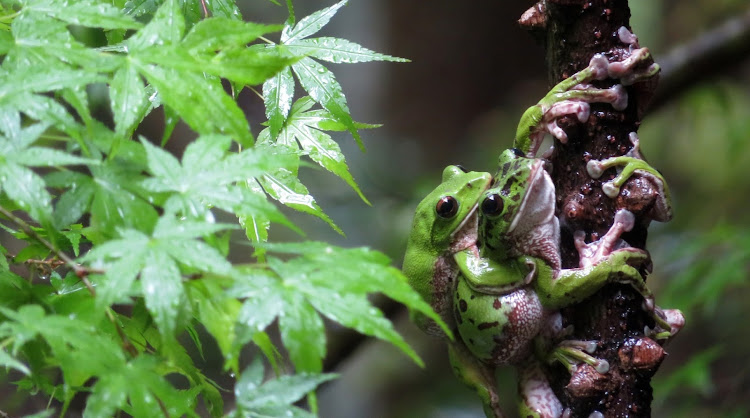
(6, 342)
(10, 17)
(257, 93)
(205, 11)
(55, 137)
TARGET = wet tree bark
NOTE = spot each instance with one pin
(573, 31)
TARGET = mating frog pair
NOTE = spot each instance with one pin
(484, 252)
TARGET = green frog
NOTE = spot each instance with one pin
(494, 275)
(512, 285)
(445, 222)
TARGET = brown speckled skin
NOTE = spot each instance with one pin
(518, 318)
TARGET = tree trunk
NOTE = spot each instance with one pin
(573, 31)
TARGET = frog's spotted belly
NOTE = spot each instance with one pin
(497, 329)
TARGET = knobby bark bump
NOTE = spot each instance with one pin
(573, 31)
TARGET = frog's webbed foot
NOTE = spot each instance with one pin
(593, 253)
(611, 256)
(628, 71)
(573, 95)
(668, 323)
(477, 376)
(576, 102)
(618, 258)
(569, 352)
(637, 56)
(629, 164)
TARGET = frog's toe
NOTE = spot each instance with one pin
(668, 323)
(648, 303)
(595, 168)
(626, 36)
(620, 97)
(610, 189)
(599, 67)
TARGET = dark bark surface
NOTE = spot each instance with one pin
(573, 31)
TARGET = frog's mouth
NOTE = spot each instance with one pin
(465, 234)
(538, 204)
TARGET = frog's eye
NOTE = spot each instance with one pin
(518, 152)
(447, 207)
(462, 168)
(492, 205)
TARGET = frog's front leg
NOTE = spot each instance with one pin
(572, 97)
(487, 276)
(476, 375)
(632, 163)
(564, 99)
(608, 263)
(603, 261)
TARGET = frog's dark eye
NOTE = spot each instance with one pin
(462, 168)
(518, 152)
(447, 207)
(492, 205)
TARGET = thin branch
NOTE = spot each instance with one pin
(714, 52)
(81, 271)
(576, 31)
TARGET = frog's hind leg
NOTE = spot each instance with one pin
(536, 396)
(477, 376)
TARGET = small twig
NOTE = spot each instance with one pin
(713, 52)
(81, 271)
(205, 10)
(257, 93)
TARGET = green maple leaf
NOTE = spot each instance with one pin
(157, 260)
(79, 348)
(303, 133)
(95, 14)
(112, 195)
(322, 280)
(186, 69)
(284, 186)
(116, 390)
(316, 79)
(275, 397)
(17, 154)
(210, 176)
